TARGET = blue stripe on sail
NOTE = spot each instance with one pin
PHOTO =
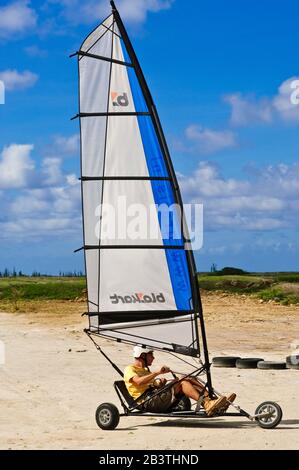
(127, 58)
(163, 194)
(179, 274)
(152, 150)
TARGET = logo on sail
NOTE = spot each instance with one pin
(119, 99)
(138, 298)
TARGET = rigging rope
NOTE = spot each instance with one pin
(105, 355)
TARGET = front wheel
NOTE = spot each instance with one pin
(272, 414)
(107, 416)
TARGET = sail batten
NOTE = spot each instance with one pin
(106, 59)
(111, 113)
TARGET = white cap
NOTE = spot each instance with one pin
(138, 350)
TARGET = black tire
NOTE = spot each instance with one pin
(225, 361)
(183, 405)
(293, 366)
(107, 416)
(271, 421)
(248, 363)
(292, 361)
(271, 365)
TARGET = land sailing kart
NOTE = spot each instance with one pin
(143, 292)
(267, 415)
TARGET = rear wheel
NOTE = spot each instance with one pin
(107, 416)
(272, 414)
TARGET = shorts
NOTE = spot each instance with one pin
(159, 403)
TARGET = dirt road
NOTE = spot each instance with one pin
(53, 379)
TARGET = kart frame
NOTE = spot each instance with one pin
(268, 414)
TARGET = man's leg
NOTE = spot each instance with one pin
(188, 389)
(197, 385)
(210, 406)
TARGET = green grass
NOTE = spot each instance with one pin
(41, 288)
(286, 277)
(235, 284)
(279, 295)
(279, 287)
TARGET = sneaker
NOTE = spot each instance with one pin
(211, 406)
(229, 399)
(201, 400)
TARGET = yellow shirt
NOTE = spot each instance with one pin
(135, 390)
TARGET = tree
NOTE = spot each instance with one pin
(214, 268)
(229, 270)
(6, 273)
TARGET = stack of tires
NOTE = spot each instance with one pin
(252, 363)
(236, 361)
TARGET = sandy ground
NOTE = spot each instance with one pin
(53, 380)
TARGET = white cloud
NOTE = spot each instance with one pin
(209, 140)
(132, 11)
(136, 12)
(72, 179)
(269, 201)
(65, 198)
(250, 110)
(47, 211)
(63, 147)
(37, 201)
(287, 108)
(51, 171)
(246, 205)
(266, 223)
(16, 19)
(31, 202)
(207, 182)
(16, 166)
(258, 203)
(35, 51)
(66, 146)
(14, 80)
(32, 228)
(255, 246)
(284, 178)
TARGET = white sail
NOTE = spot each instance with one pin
(140, 290)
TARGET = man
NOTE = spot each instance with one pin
(140, 381)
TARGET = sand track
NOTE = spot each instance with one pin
(53, 379)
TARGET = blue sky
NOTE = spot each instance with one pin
(221, 75)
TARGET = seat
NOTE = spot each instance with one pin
(120, 387)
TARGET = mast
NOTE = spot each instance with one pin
(158, 127)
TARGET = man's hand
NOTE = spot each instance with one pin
(164, 370)
(158, 383)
